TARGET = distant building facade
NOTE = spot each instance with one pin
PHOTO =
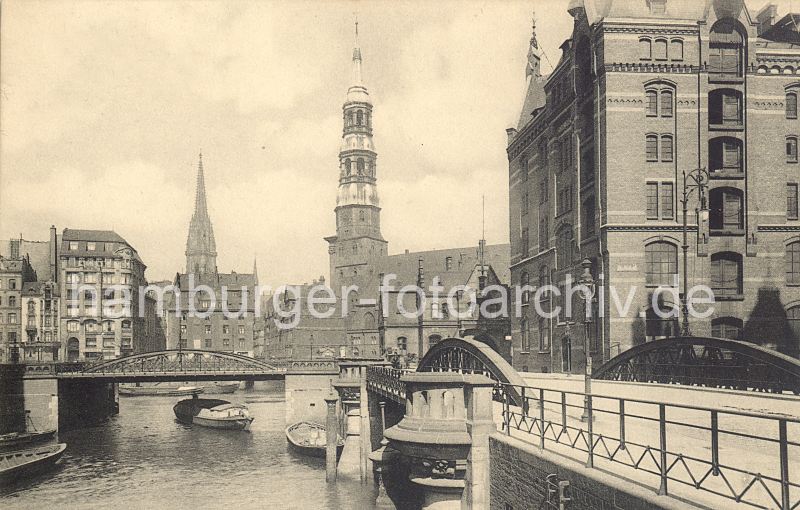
(14, 271)
(190, 321)
(643, 92)
(97, 320)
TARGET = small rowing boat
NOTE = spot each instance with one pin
(311, 439)
(22, 439)
(22, 464)
(159, 391)
(213, 413)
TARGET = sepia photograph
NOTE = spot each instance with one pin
(412, 255)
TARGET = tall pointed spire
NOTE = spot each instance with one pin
(255, 269)
(201, 248)
(534, 56)
(356, 58)
(200, 205)
(534, 95)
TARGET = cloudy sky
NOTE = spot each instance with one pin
(105, 106)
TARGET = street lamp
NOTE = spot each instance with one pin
(587, 283)
(697, 179)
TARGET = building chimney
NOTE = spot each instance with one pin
(53, 254)
(14, 248)
(766, 17)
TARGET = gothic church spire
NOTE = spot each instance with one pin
(201, 248)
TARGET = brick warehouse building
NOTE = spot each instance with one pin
(643, 92)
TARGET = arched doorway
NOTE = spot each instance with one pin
(73, 349)
(566, 354)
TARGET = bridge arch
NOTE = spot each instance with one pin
(705, 361)
(468, 355)
(185, 360)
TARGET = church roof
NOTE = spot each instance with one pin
(464, 261)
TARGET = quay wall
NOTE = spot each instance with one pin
(305, 396)
(518, 480)
(82, 403)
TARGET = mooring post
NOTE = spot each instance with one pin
(332, 438)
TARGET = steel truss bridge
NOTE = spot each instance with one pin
(169, 365)
(705, 361)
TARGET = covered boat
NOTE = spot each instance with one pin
(22, 439)
(213, 413)
(23, 464)
(159, 391)
(310, 438)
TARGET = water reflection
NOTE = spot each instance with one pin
(144, 458)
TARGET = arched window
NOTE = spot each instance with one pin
(525, 345)
(651, 103)
(791, 105)
(666, 103)
(726, 49)
(660, 49)
(360, 166)
(31, 307)
(651, 147)
(402, 344)
(348, 119)
(369, 321)
(347, 166)
(368, 119)
(667, 149)
(645, 49)
(726, 274)
(791, 149)
(725, 107)
(359, 118)
(793, 263)
(661, 263)
(565, 247)
(544, 336)
(434, 339)
(726, 327)
(676, 49)
(725, 209)
(725, 155)
(361, 216)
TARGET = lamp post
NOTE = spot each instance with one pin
(587, 282)
(697, 179)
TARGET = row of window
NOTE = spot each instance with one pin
(90, 246)
(208, 329)
(357, 118)
(95, 327)
(660, 49)
(12, 284)
(12, 318)
(660, 201)
(91, 278)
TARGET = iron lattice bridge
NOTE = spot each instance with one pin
(707, 455)
(171, 365)
(705, 361)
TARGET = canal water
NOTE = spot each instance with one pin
(144, 459)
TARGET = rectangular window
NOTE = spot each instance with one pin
(91, 246)
(667, 201)
(226, 342)
(524, 203)
(525, 240)
(183, 328)
(666, 148)
(543, 191)
(73, 245)
(241, 330)
(652, 200)
(207, 343)
(652, 103)
(651, 148)
(544, 234)
(91, 342)
(791, 150)
(208, 329)
(731, 109)
(730, 155)
(791, 105)
(731, 211)
(666, 103)
(523, 168)
(226, 329)
(241, 343)
(791, 201)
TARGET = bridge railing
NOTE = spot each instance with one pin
(752, 458)
(386, 382)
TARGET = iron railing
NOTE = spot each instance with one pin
(738, 455)
(386, 382)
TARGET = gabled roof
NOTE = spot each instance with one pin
(535, 98)
(785, 30)
(434, 263)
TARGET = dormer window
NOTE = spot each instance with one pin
(657, 7)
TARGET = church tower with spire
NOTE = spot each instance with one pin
(201, 248)
(358, 240)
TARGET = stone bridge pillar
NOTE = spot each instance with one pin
(444, 436)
